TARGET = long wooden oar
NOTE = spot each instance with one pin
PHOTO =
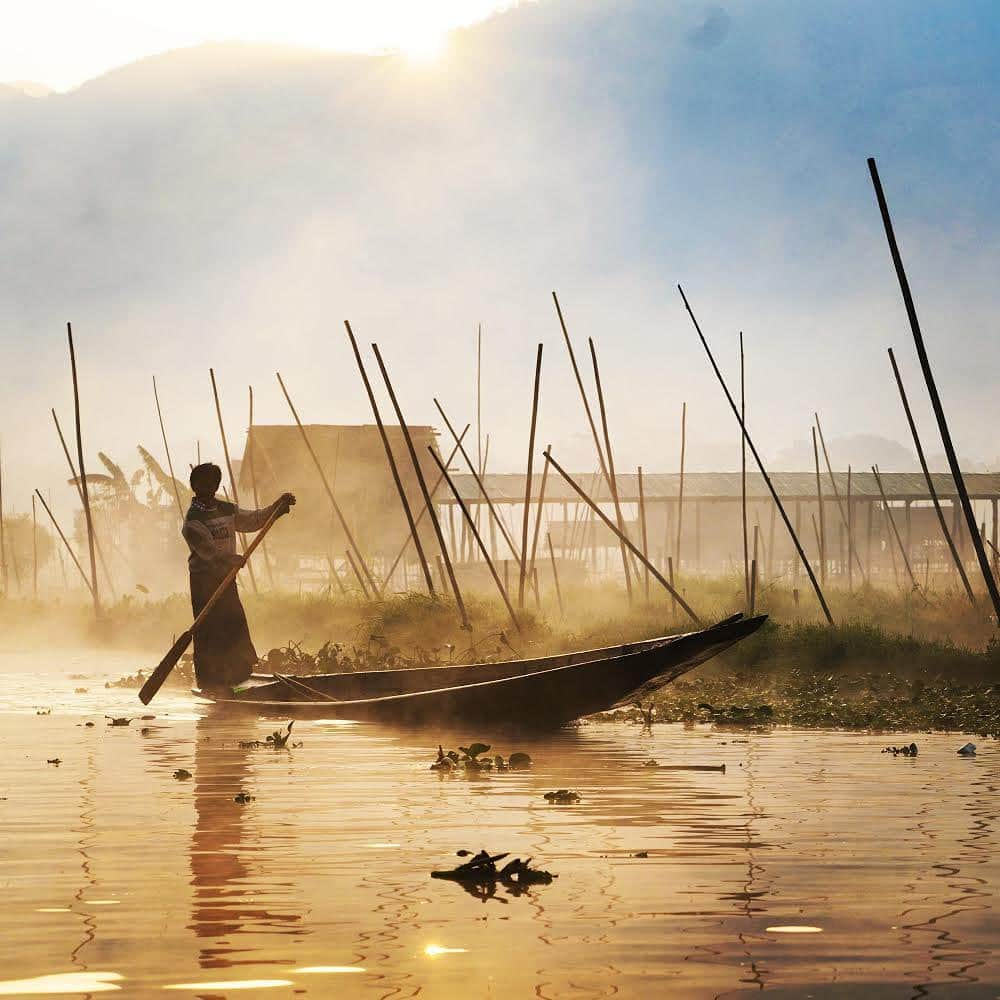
(162, 671)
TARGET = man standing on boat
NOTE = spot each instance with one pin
(224, 654)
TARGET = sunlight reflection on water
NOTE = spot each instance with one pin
(697, 881)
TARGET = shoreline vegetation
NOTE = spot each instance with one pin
(892, 661)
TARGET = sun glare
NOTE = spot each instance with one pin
(424, 46)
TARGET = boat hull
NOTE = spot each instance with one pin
(526, 698)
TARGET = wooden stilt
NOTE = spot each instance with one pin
(753, 570)
(895, 530)
(539, 510)
(833, 480)
(643, 532)
(357, 575)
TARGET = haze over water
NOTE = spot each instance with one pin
(883, 871)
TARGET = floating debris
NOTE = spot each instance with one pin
(651, 763)
(243, 798)
(562, 797)
(79, 690)
(640, 854)
(969, 750)
(182, 774)
(470, 759)
(43, 711)
(123, 721)
(89, 725)
(480, 876)
(278, 740)
(909, 751)
(54, 760)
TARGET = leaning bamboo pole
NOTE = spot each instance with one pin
(643, 534)
(478, 477)
(348, 534)
(79, 492)
(232, 478)
(391, 459)
(527, 484)
(743, 478)
(918, 339)
(895, 530)
(478, 537)
(930, 483)
(65, 541)
(422, 511)
(850, 535)
(614, 530)
(357, 574)
(88, 517)
(760, 465)
(555, 575)
(612, 475)
(538, 514)
(422, 483)
(166, 448)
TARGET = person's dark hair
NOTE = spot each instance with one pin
(205, 478)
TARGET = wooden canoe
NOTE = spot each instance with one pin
(541, 693)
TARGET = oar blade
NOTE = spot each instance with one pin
(162, 671)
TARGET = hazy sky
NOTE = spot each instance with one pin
(229, 206)
(62, 43)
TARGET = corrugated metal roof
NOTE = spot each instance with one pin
(509, 488)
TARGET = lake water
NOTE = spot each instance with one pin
(813, 867)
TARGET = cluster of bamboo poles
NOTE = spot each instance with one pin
(638, 568)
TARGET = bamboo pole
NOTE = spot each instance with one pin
(753, 570)
(166, 448)
(357, 574)
(555, 575)
(335, 575)
(822, 520)
(670, 577)
(69, 548)
(527, 485)
(743, 477)
(895, 530)
(348, 534)
(833, 481)
(478, 537)
(251, 448)
(390, 458)
(583, 394)
(642, 528)
(850, 535)
(422, 483)
(918, 339)
(538, 512)
(423, 510)
(477, 476)
(930, 482)
(631, 547)
(232, 478)
(34, 549)
(680, 491)
(88, 517)
(612, 476)
(79, 492)
(760, 465)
